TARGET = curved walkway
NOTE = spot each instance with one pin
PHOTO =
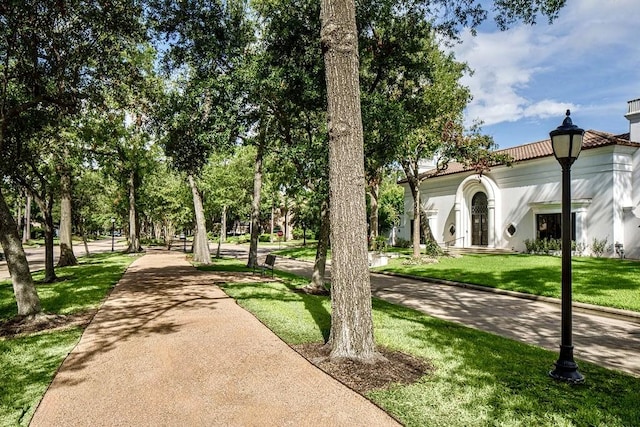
(168, 348)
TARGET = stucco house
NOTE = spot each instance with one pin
(508, 205)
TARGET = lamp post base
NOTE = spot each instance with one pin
(566, 369)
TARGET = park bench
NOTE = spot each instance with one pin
(268, 264)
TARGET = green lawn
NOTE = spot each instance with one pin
(480, 379)
(80, 287)
(30, 362)
(601, 281)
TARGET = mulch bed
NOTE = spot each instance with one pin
(23, 325)
(398, 368)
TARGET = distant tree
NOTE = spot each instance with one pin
(291, 68)
(206, 44)
(227, 183)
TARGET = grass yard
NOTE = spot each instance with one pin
(79, 287)
(30, 362)
(601, 281)
(305, 253)
(480, 379)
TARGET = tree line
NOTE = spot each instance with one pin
(120, 102)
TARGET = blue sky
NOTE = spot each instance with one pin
(524, 79)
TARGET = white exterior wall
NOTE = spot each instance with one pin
(631, 213)
(605, 198)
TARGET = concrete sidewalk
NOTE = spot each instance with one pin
(168, 348)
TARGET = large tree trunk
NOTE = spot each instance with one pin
(66, 245)
(317, 285)
(26, 235)
(201, 251)
(415, 238)
(46, 206)
(23, 287)
(415, 193)
(134, 236)
(374, 193)
(351, 334)
(255, 205)
(425, 227)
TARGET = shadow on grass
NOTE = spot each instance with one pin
(283, 292)
(481, 379)
(505, 378)
(25, 378)
(496, 379)
(79, 287)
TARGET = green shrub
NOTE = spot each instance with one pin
(264, 237)
(420, 260)
(152, 242)
(433, 249)
(298, 233)
(37, 232)
(379, 244)
(599, 247)
(402, 243)
(542, 246)
(242, 238)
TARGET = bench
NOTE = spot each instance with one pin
(269, 262)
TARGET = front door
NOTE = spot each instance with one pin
(479, 223)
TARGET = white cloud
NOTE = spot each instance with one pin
(511, 69)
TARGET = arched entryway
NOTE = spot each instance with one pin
(477, 209)
(479, 219)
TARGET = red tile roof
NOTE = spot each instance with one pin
(536, 150)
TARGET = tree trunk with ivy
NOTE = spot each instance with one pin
(26, 235)
(425, 228)
(45, 203)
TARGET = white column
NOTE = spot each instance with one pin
(432, 217)
(459, 231)
(581, 226)
(491, 204)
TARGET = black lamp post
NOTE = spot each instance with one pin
(567, 143)
(113, 232)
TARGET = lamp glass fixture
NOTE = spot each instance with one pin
(566, 139)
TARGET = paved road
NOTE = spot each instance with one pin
(610, 342)
(35, 256)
